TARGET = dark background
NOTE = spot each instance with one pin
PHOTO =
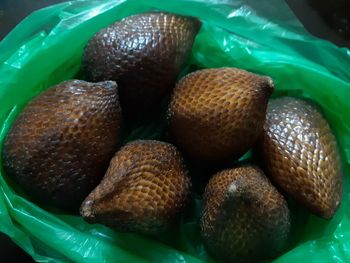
(323, 18)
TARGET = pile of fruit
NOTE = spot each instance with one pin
(65, 148)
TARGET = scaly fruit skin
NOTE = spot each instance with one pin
(59, 147)
(144, 53)
(301, 156)
(244, 218)
(216, 115)
(144, 190)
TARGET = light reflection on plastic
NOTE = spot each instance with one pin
(242, 11)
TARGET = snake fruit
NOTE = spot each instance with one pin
(144, 190)
(216, 115)
(144, 54)
(59, 147)
(244, 217)
(301, 156)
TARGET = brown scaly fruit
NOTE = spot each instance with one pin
(144, 53)
(300, 155)
(216, 115)
(144, 190)
(244, 218)
(59, 147)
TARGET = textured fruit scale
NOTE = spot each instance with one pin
(144, 53)
(48, 149)
(244, 218)
(217, 115)
(301, 156)
(144, 190)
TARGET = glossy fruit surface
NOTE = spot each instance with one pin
(301, 156)
(216, 115)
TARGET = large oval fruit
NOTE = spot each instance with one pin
(301, 156)
(144, 53)
(144, 190)
(244, 218)
(60, 145)
(217, 115)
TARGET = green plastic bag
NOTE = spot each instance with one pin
(260, 36)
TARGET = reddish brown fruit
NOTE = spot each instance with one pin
(144, 53)
(144, 190)
(216, 115)
(301, 156)
(59, 147)
(244, 218)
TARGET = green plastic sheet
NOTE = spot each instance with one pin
(260, 36)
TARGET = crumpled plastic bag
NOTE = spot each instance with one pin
(260, 36)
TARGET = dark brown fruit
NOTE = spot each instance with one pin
(60, 145)
(301, 156)
(144, 190)
(217, 115)
(244, 218)
(144, 53)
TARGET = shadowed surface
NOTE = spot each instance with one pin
(244, 218)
